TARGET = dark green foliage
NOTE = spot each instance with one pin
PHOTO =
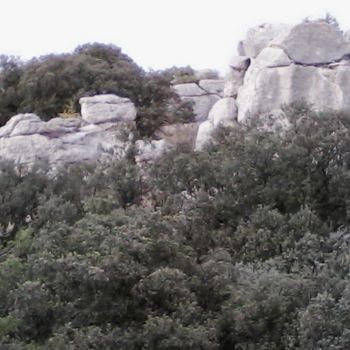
(53, 84)
(242, 246)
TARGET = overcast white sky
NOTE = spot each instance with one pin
(155, 33)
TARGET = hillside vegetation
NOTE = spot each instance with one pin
(242, 246)
(51, 85)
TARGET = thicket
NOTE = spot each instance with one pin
(242, 246)
(53, 84)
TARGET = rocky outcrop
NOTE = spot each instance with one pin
(224, 113)
(234, 78)
(107, 108)
(202, 95)
(277, 65)
(282, 64)
(26, 139)
(259, 37)
(309, 62)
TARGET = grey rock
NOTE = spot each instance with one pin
(189, 90)
(266, 89)
(212, 86)
(239, 63)
(105, 108)
(234, 78)
(313, 43)
(223, 113)
(204, 135)
(26, 139)
(201, 100)
(259, 37)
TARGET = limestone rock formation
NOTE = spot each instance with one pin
(203, 95)
(224, 113)
(277, 65)
(313, 43)
(309, 62)
(234, 78)
(26, 139)
(107, 108)
(259, 37)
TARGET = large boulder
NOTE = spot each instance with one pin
(212, 86)
(270, 88)
(107, 108)
(223, 113)
(234, 78)
(308, 63)
(26, 139)
(202, 96)
(313, 43)
(259, 37)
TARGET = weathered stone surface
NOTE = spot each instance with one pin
(266, 89)
(223, 113)
(212, 86)
(26, 139)
(347, 35)
(260, 37)
(309, 62)
(201, 99)
(189, 90)
(204, 134)
(313, 43)
(234, 78)
(239, 63)
(105, 108)
(272, 57)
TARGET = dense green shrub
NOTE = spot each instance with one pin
(242, 246)
(53, 84)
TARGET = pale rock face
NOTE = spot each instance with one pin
(270, 88)
(313, 43)
(202, 100)
(204, 135)
(223, 113)
(106, 108)
(307, 63)
(26, 139)
(347, 35)
(212, 86)
(260, 37)
(235, 76)
(189, 90)
(272, 57)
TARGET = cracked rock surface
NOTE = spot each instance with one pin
(26, 139)
(308, 62)
(203, 95)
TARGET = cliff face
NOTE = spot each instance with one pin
(277, 65)
(281, 64)
(103, 131)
